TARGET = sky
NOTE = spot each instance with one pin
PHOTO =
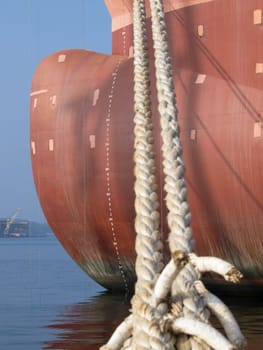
(29, 31)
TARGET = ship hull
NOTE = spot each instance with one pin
(81, 134)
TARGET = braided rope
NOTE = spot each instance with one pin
(183, 322)
(179, 216)
(148, 243)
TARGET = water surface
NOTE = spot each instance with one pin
(47, 302)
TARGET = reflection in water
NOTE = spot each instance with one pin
(89, 324)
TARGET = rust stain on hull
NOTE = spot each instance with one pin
(84, 176)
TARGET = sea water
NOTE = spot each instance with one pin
(48, 302)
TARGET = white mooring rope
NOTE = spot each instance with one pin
(171, 306)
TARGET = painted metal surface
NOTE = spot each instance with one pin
(82, 141)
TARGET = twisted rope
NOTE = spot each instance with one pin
(170, 308)
(148, 241)
(179, 216)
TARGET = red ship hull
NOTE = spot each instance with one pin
(82, 139)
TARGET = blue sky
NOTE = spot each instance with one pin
(29, 31)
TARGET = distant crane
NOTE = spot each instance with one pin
(10, 220)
